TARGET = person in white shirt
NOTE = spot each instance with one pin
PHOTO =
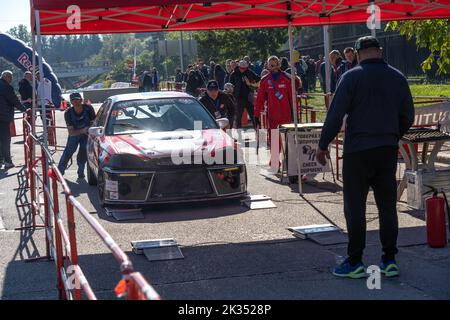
(44, 96)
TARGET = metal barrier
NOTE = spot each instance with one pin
(61, 245)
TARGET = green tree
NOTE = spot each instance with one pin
(431, 34)
(234, 44)
(21, 32)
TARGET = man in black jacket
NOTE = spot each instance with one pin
(242, 78)
(194, 82)
(217, 102)
(8, 101)
(377, 99)
(26, 89)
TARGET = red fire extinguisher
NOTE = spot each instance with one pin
(435, 208)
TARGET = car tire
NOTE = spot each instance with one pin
(92, 179)
(101, 187)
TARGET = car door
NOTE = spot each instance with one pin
(94, 142)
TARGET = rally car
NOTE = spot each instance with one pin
(160, 147)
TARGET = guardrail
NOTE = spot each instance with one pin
(61, 245)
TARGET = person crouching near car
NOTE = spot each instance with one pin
(79, 118)
(217, 102)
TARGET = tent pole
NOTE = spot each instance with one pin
(181, 52)
(373, 29)
(294, 104)
(41, 81)
(327, 46)
(34, 96)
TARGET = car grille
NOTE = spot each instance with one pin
(180, 184)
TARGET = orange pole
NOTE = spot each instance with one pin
(58, 242)
(73, 240)
(32, 182)
(46, 208)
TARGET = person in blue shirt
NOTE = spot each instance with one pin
(377, 101)
(79, 118)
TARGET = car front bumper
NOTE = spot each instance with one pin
(174, 185)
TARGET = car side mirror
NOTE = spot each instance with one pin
(95, 131)
(223, 123)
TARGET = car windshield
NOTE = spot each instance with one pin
(157, 115)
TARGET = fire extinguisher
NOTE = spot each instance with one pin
(435, 208)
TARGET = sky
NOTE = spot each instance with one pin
(13, 13)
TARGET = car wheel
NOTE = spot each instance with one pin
(101, 187)
(92, 179)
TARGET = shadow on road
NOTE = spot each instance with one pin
(277, 269)
(27, 248)
(159, 213)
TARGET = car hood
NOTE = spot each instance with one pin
(164, 144)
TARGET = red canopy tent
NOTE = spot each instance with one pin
(115, 16)
(56, 17)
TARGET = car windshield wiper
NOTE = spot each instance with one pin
(129, 132)
(128, 125)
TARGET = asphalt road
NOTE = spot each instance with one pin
(230, 252)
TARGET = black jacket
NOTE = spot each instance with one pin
(377, 99)
(194, 81)
(219, 76)
(8, 101)
(25, 89)
(236, 79)
(223, 105)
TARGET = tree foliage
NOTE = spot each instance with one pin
(431, 34)
(220, 45)
(21, 32)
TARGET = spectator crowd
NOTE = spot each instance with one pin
(238, 81)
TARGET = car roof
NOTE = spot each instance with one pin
(149, 95)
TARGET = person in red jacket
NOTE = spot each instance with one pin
(275, 90)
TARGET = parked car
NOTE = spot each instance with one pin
(158, 147)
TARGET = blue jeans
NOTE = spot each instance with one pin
(71, 147)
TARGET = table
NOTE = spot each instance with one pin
(426, 162)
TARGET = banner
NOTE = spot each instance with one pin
(433, 114)
(17, 52)
(308, 142)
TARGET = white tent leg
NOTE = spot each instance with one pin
(327, 46)
(33, 72)
(373, 29)
(294, 105)
(181, 52)
(41, 81)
